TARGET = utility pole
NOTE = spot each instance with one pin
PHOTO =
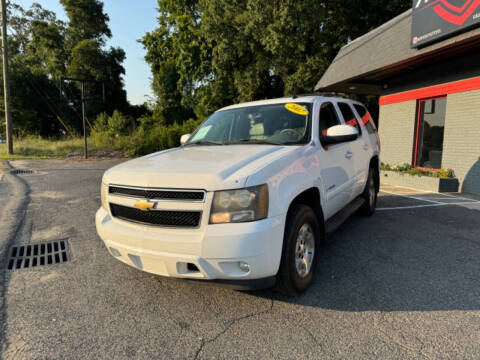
(6, 80)
(85, 154)
(83, 100)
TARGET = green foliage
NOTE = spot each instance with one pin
(86, 60)
(151, 136)
(87, 21)
(116, 132)
(36, 58)
(112, 131)
(119, 124)
(39, 147)
(408, 169)
(43, 49)
(206, 54)
(87, 30)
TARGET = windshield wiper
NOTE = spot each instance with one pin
(253, 141)
(205, 142)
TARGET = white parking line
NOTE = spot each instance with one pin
(431, 201)
(450, 198)
(428, 205)
(411, 197)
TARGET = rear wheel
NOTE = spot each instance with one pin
(300, 251)
(369, 194)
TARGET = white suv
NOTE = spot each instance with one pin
(249, 197)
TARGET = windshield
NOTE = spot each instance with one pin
(279, 124)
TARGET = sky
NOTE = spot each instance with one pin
(129, 21)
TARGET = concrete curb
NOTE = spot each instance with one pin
(12, 213)
(419, 182)
(12, 218)
(4, 167)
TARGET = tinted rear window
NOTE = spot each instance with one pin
(366, 118)
(348, 116)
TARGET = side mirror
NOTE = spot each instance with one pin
(184, 139)
(340, 133)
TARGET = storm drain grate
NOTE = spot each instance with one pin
(33, 255)
(21, 171)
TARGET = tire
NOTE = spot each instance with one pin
(369, 194)
(290, 279)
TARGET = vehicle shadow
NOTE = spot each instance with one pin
(420, 259)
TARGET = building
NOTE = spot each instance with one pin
(425, 66)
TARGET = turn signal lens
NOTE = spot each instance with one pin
(242, 205)
(103, 195)
(219, 218)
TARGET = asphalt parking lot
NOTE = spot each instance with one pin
(402, 284)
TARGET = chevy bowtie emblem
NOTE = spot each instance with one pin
(144, 205)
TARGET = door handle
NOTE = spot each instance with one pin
(365, 147)
(349, 155)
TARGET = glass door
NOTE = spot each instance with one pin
(429, 133)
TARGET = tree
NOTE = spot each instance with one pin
(87, 21)
(176, 53)
(209, 53)
(86, 34)
(43, 49)
(37, 57)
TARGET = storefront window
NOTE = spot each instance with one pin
(429, 133)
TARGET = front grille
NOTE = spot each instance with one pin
(157, 217)
(159, 194)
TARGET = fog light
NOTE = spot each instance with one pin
(244, 266)
(136, 261)
(115, 252)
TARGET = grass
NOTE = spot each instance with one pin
(38, 148)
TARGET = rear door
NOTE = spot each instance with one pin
(336, 165)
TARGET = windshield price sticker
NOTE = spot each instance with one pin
(296, 109)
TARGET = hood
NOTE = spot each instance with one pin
(196, 167)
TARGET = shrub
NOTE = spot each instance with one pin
(119, 124)
(111, 132)
(151, 137)
(408, 169)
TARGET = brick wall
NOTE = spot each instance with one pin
(396, 130)
(461, 145)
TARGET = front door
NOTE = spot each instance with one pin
(336, 163)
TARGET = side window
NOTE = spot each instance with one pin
(328, 117)
(366, 119)
(348, 116)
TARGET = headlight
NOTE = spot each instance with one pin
(242, 205)
(103, 195)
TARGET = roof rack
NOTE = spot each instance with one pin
(326, 94)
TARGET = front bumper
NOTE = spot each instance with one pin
(212, 252)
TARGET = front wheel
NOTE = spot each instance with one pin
(300, 251)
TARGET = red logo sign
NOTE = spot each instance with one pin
(454, 14)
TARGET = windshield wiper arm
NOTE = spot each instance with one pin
(253, 141)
